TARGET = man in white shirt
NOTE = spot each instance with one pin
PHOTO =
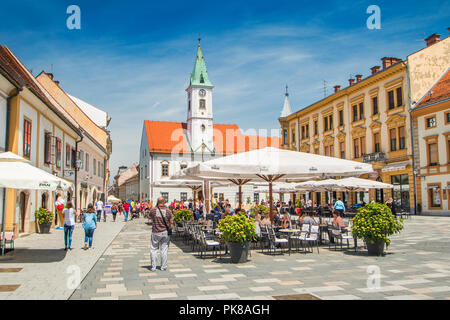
(99, 209)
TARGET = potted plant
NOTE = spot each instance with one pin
(182, 215)
(238, 231)
(375, 223)
(44, 219)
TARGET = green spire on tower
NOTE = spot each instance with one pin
(199, 76)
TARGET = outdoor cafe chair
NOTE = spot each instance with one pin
(339, 237)
(313, 237)
(205, 243)
(9, 239)
(275, 242)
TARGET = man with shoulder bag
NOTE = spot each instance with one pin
(162, 224)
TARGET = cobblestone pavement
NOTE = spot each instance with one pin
(417, 266)
(46, 269)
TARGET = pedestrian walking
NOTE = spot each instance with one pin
(69, 225)
(59, 203)
(114, 211)
(126, 210)
(89, 226)
(162, 225)
(99, 208)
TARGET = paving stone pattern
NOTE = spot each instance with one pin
(416, 267)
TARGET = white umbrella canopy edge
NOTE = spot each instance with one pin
(273, 162)
(17, 173)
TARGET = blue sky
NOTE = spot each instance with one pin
(133, 58)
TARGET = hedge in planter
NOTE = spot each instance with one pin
(238, 231)
(183, 214)
(375, 223)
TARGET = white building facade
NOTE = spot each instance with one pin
(168, 147)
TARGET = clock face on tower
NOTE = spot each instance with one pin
(202, 92)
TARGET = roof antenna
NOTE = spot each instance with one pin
(324, 88)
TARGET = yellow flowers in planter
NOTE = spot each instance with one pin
(183, 214)
(375, 222)
(237, 228)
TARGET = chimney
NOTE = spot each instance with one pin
(337, 88)
(375, 69)
(358, 77)
(351, 81)
(50, 75)
(389, 61)
(433, 39)
(448, 31)
(57, 82)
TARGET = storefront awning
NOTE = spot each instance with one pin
(396, 166)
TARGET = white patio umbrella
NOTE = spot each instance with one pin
(112, 198)
(356, 184)
(17, 173)
(272, 164)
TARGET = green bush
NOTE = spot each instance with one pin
(183, 214)
(375, 222)
(43, 215)
(262, 209)
(298, 204)
(237, 228)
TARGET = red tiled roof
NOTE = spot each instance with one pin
(165, 137)
(439, 92)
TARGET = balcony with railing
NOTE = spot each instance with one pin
(374, 157)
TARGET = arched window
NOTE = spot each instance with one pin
(202, 104)
(165, 169)
(203, 128)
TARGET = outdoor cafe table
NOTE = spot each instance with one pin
(289, 232)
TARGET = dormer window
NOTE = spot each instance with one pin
(201, 79)
(202, 104)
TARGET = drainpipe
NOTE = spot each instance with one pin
(8, 108)
(76, 172)
(412, 138)
(151, 180)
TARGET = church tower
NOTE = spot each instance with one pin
(199, 101)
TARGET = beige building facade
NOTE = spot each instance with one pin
(430, 112)
(93, 150)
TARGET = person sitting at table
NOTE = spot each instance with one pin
(302, 217)
(227, 212)
(309, 219)
(266, 220)
(286, 221)
(338, 221)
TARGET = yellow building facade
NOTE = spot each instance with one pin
(367, 121)
(39, 131)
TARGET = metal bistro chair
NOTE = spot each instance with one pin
(339, 237)
(274, 241)
(205, 243)
(299, 237)
(313, 238)
(9, 239)
(264, 238)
